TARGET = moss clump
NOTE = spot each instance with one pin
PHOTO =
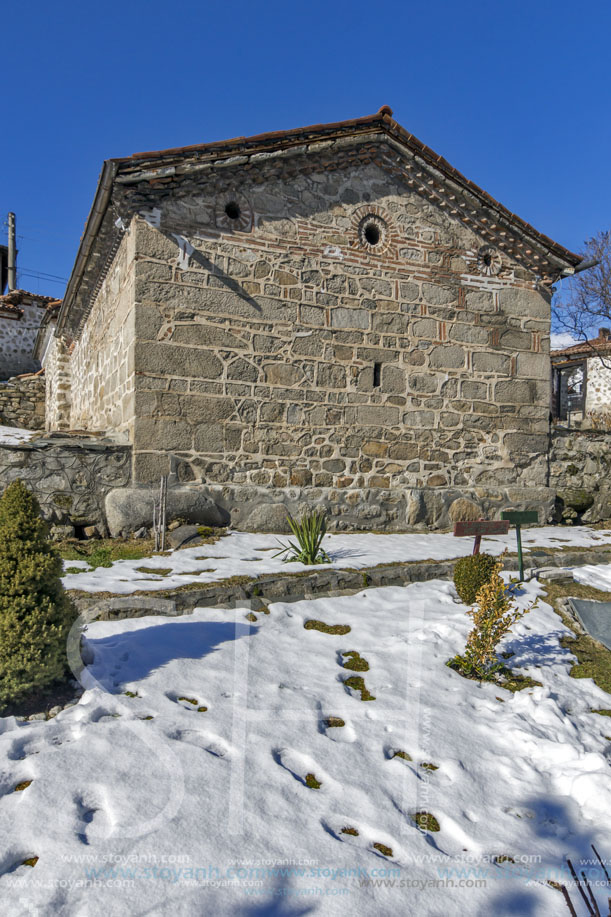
(159, 571)
(22, 786)
(356, 683)
(601, 712)
(73, 570)
(202, 709)
(311, 782)
(130, 693)
(383, 849)
(333, 722)
(351, 831)
(336, 629)
(145, 717)
(401, 754)
(35, 612)
(425, 821)
(504, 859)
(471, 573)
(576, 499)
(354, 661)
(188, 700)
(31, 861)
(250, 616)
(427, 766)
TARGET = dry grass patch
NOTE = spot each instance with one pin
(425, 821)
(354, 661)
(334, 629)
(356, 683)
(311, 782)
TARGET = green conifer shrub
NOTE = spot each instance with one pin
(35, 612)
(471, 573)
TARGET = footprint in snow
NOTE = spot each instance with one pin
(13, 861)
(351, 831)
(211, 743)
(305, 769)
(94, 821)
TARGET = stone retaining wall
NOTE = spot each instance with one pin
(579, 467)
(22, 402)
(70, 476)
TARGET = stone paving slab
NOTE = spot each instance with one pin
(595, 618)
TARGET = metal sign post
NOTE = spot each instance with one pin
(520, 518)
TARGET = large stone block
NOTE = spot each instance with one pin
(162, 433)
(533, 366)
(447, 356)
(174, 360)
(349, 318)
(377, 415)
(525, 303)
(438, 295)
(514, 391)
(487, 362)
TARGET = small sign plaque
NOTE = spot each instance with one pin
(481, 527)
(524, 517)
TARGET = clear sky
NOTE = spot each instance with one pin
(514, 94)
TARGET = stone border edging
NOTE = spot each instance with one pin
(296, 586)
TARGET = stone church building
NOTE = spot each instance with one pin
(327, 315)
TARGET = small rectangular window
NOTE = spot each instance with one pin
(377, 369)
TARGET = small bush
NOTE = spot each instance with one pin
(471, 573)
(309, 532)
(35, 612)
(493, 617)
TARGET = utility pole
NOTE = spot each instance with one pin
(12, 254)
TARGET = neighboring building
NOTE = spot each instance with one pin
(20, 316)
(581, 380)
(333, 307)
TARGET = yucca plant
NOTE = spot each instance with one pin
(309, 532)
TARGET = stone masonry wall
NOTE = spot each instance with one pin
(284, 349)
(17, 338)
(70, 476)
(22, 402)
(580, 474)
(598, 387)
(101, 362)
(58, 380)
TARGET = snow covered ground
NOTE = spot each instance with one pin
(190, 797)
(596, 575)
(243, 554)
(12, 436)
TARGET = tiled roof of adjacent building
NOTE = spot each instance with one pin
(599, 344)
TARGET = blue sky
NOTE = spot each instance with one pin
(515, 94)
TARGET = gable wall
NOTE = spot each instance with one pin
(255, 360)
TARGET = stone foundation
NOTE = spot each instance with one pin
(22, 402)
(264, 509)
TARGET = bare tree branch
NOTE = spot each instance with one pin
(588, 305)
